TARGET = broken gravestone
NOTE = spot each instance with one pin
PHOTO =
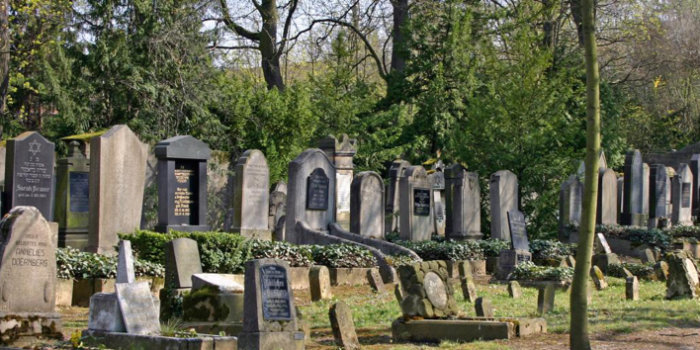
(682, 280)
(343, 326)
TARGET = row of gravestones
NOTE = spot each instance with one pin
(644, 196)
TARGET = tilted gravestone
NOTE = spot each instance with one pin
(375, 280)
(632, 213)
(415, 198)
(682, 196)
(251, 197)
(117, 180)
(514, 290)
(503, 193)
(545, 299)
(341, 152)
(467, 282)
(72, 210)
(182, 184)
(139, 313)
(570, 201)
(27, 276)
(320, 283)
(392, 195)
(343, 326)
(632, 288)
(125, 263)
(427, 292)
(463, 202)
(29, 173)
(682, 280)
(520, 248)
(603, 256)
(598, 278)
(660, 185)
(483, 307)
(310, 193)
(181, 262)
(269, 320)
(367, 205)
(607, 198)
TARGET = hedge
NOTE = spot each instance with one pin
(342, 255)
(72, 263)
(638, 235)
(548, 249)
(446, 250)
(642, 271)
(528, 271)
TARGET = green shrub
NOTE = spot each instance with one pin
(342, 255)
(296, 256)
(530, 272)
(446, 250)
(684, 231)
(492, 247)
(548, 249)
(637, 235)
(642, 271)
(72, 263)
(400, 260)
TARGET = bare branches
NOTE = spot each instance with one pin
(287, 24)
(255, 36)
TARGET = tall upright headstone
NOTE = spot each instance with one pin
(269, 319)
(251, 197)
(182, 184)
(117, 180)
(437, 182)
(632, 213)
(367, 205)
(340, 153)
(570, 199)
(682, 196)
(125, 263)
(503, 193)
(72, 210)
(27, 275)
(695, 169)
(415, 198)
(310, 193)
(463, 199)
(181, 262)
(519, 251)
(646, 172)
(392, 194)
(620, 195)
(607, 198)
(659, 186)
(29, 173)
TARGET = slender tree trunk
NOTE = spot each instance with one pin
(268, 46)
(579, 291)
(398, 43)
(4, 56)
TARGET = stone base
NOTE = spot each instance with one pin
(23, 328)
(64, 292)
(265, 235)
(125, 341)
(604, 260)
(348, 276)
(271, 340)
(230, 329)
(464, 330)
(182, 228)
(509, 259)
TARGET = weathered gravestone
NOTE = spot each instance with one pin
(117, 180)
(72, 210)
(340, 152)
(682, 280)
(570, 199)
(269, 320)
(416, 213)
(463, 202)
(682, 196)
(695, 169)
(660, 185)
(367, 205)
(603, 255)
(29, 173)
(632, 288)
(251, 197)
(514, 290)
(427, 292)
(545, 298)
(181, 262)
(437, 182)
(139, 313)
(343, 326)
(310, 193)
(392, 195)
(483, 307)
(320, 283)
(27, 276)
(632, 213)
(125, 263)
(598, 278)
(278, 207)
(607, 198)
(215, 304)
(645, 190)
(520, 247)
(182, 184)
(503, 193)
(620, 195)
(467, 282)
(375, 280)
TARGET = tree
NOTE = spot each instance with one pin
(579, 291)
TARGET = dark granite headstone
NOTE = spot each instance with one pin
(632, 213)
(660, 187)
(421, 202)
(317, 190)
(29, 173)
(274, 291)
(695, 170)
(182, 184)
(518, 230)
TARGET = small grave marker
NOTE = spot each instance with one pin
(343, 326)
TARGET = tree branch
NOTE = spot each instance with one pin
(287, 24)
(255, 36)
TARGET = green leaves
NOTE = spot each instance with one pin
(73, 264)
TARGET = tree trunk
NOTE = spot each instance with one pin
(270, 58)
(4, 56)
(398, 43)
(579, 337)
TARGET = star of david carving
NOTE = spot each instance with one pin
(34, 147)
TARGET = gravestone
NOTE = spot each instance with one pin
(603, 256)
(125, 263)
(695, 169)
(607, 198)
(3, 154)
(632, 288)
(682, 281)
(29, 178)
(216, 302)
(463, 202)
(139, 314)
(278, 207)
(503, 193)
(375, 280)
(598, 278)
(367, 205)
(320, 283)
(343, 326)
(269, 320)
(427, 292)
(105, 314)
(570, 200)
(645, 190)
(181, 262)
(280, 186)
(514, 290)
(483, 307)
(660, 185)
(545, 299)
(467, 282)
(520, 248)
(661, 270)
(682, 196)
(251, 197)
(601, 244)
(72, 210)
(620, 195)
(437, 182)
(117, 180)
(310, 193)
(219, 282)
(392, 195)
(632, 214)
(416, 214)
(182, 184)
(340, 153)
(27, 276)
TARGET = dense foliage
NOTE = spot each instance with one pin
(548, 249)
(446, 250)
(528, 271)
(75, 264)
(637, 235)
(342, 255)
(642, 271)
